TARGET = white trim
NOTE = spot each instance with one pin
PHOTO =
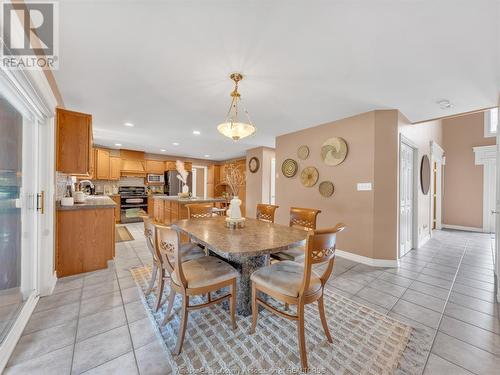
(437, 156)
(368, 261)
(484, 154)
(460, 227)
(10, 341)
(205, 180)
(487, 119)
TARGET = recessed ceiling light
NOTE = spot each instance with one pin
(207, 156)
(129, 124)
(175, 143)
(118, 144)
(163, 150)
(196, 132)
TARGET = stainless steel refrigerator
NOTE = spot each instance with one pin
(173, 185)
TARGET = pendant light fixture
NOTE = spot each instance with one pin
(232, 127)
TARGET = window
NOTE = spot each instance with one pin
(491, 123)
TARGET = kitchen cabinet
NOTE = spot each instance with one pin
(85, 240)
(155, 166)
(170, 165)
(73, 142)
(150, 206)
(133, 163)
(116, 199)
(103, 168)
(115, 165)
(188, 166)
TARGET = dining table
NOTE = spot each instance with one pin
(246, 249)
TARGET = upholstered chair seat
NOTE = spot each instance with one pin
(285, 277)
(202, 272)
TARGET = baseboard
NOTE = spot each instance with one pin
(368, 261)
(459, 227)
(10, 341)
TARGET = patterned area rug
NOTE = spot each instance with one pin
(364, 341)
(122, 234)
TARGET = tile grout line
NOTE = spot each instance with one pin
(444, 307)
(76, 330)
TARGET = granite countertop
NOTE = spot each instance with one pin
(91, 202)
(255, 239)
(188, 200)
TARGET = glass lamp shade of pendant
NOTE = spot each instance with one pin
(236, 130)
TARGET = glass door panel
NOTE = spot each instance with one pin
(18, 147)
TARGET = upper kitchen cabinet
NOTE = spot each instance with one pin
(155, 166)
(115, 165)
(103, 169)
(73, 142)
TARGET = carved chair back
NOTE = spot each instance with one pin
(200, 210)
(320, 248)
(150, 233)
(303, 218)
(168, 246)
(265, 212)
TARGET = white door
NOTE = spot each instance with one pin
(405, 199)
(490, 170)
(496, 213)
(18, 212)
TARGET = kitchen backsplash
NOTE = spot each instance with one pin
(61, 181)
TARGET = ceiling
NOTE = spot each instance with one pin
(164, 65)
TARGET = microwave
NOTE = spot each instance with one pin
(156, 179)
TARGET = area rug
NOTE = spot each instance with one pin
(122, 234)
(364, 341)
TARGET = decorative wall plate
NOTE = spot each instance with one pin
(309, 176)
(289, 168)
(303, 152)
(326, 188)
(334, 151)
(253, 164)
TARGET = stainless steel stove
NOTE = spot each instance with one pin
(133, 200)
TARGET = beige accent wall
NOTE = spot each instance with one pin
(421, 135)
(463, 180)
(347, 205)
(258, 184)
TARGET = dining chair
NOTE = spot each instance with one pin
(302, 218)
(200, 210)
(160, 271)
(199, 276)
(298, 284)
(265, 212)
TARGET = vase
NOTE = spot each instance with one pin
(234, 208)
(185, 189)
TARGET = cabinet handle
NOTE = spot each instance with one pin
(495, 212)
(40, 202)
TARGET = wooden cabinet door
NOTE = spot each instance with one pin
(170, 165)
(115, 165)
(150, 207)
(102, 164)
(116, 199)
(188, 166)
(73, 142)
(155, 166)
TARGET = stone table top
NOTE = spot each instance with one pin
(257, 238)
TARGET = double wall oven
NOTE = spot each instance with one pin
(133, 200)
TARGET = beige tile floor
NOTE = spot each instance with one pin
(95, 323)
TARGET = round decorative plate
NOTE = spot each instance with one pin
(309, 176)
(303, 152)
(289, 168)
(326, 188)
(334, 151)
(253, 164)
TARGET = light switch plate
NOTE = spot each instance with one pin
(365, 186)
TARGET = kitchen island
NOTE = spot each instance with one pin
(168, 209)
(85, 236)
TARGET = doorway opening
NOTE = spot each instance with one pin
(200, 178)
(408, 155)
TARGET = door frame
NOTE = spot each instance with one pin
(414, 234)
(205, 177)
(31, 94)
(487, 157)
(437, 156)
